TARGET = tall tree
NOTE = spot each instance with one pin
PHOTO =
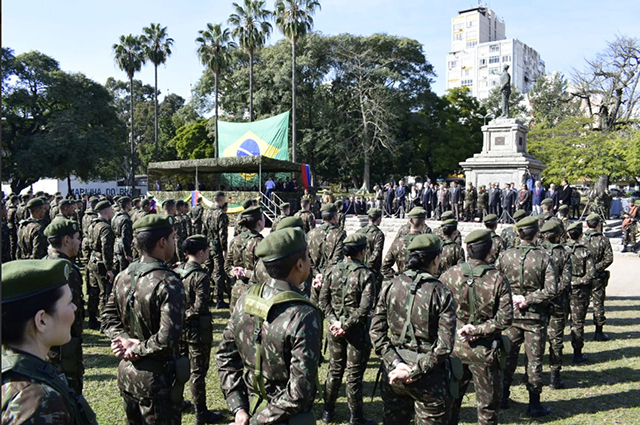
(251, 29)
(214, 45)
(157, 49)
(551, 101)
(294, 18)
(517, 109)
(129, 56)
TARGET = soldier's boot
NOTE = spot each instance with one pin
(357, 418)
(93, 322)
(221, 304)
(535, 409)
(327, 414)
(578, 356)
(624, 248)
(556, 383)
(504, 403)
(205, 416)
(599, 335)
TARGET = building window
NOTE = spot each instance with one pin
(467, 83)
(483, 62)
(457, 27)
(506, 58)
(457, 36)
(470, 24)
(467, 73)
(494, 48)
(472, 44)
(453, 64)
(494, 59)
(472, 34)
(494, 70)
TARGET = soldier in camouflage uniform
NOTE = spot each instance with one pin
(217, 228)
(198, 331)
(86, 244)
(101, 262)
(347, 298)
(123, 232)
(241, 259)
(455, 236)
(197, 215)
(144, 320)
(563, 212)
(452, 253)
(551, 231)
(629, 226)
(65, 209)
(483, 202)
(55, 206)
(145, 209)
(548, 215)
(484, 310)
(281, 354)
(306, 215)
(32, 243)
(64, 241)
(183, 211)
(405, 229)
(510, 235)
(46, 219)
(6, 244)
(398, 254)
(325, 247)
(582, 272)
(13, 224)
(498, 245)
(413, 332)
(22, 212)
(602, 253)
(533, 281)
(285, 209)
(470, 199)
(375, 245)
(33, 392)
(342, 217)
(135, 208)
(170, 209)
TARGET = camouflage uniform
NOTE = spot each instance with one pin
(101, 262)
(510, 237)
(486, 304)
(6, 244)
(397, 255)
(276, 221)
(153, 314)
(497, 246)
(13, 224)
(290, 356)
(602, 253)
(198, 332)
(373, 254)
(85, 245)
(455, 236)
(470, 199)
(452, 254)
(32, 243)
(325, 250)
(348, 295)
(342, 218)
(308, 220)
(241, 254)
(530, 272)
(405, 229)
(582, 274)
(197, 213)
(544, 217)
(217, 227)
(22, 213)
(405, 325)
(123, 232)
(483, 202)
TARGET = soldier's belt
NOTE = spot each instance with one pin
(157, 366)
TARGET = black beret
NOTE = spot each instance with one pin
(153, 222)
(218, 194)
(281, 244)
(338, 203)
(61, 227)
(23, 279)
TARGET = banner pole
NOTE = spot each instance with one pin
(197, 187)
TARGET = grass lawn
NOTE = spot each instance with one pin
(606, 390)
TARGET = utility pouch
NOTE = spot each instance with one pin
(206, 330)
(304, 418)
(182, 373)
(69, 353)
(454, 373)
(102, 268)
(410, 357)
(505, 349)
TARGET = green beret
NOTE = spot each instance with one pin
(356, 239)
(67, 202)
(564, 208)
(285, 205)
(417, 212)
(153, 222)
(61, 227)
(93, 199)
(169, 203)
(200, 239)
(251, 211)
(145, 202)
(116, 198)
(247, 204)
(25, 196)
(102, 205)
(490, 219)
(338, 203)
(546, 201)
(552, 226)
(124, 199)
(35, 203)
(593, 217)
(450, 222)
(446, 215)
(26, 278)
(328, 208)
(519, 214)
(478, 235)
(218, 194)
(425, 243)
(281, 244)
(374, 212)
(13, 197)
(527, 223)
(135, 200)
(288, 222)
(58, 197)
(576, 225)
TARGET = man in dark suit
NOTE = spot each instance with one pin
(456, 200)
(537, 195)
(401, 194)
(426, 199)
(553, 194)
(443, 198)
(389, 195)
(564, 198)
(495, 196)
(507, 203)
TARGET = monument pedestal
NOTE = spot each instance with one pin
(504, 157)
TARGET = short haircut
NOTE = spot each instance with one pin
(575, 233)
(528, 233)
(327, 215)
(305, 202)
(280, 269)
(17, 314)
(480, 250)
(417, 221)
(146, 241)
(448, 230)
(592, 224)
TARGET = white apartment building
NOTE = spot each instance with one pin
(479, 50)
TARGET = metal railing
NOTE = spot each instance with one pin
(271, 206)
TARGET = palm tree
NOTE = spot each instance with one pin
(129, 57)
(214, 46)
(293, 18)
(157, 48)
(251, 29)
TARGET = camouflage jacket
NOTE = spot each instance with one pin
(102, 242)
(89, 215)
(375, 246)
(22, 213)
(325, 247)
(483, 200)
(485, 303)
(342, 218)
(197, 289)
(180, 236)
(197, 213)
(153, 314)
(455, 236)
(562, 263)
(543, 218)
(397, 255)
(428, 324)
(308, 220)
(242, 252)
(470, 197)
(452, 254)
(510, 237)
(32, 243)
(531, 273)
(600, 248)
(123, 232)
(290, 354)
(6, 245)
(405, 229)
(497, 246)
(348, 294)
(218, 228)
(12, 217)
(583, 268)
(276, 221)
(53, 211)
(75, 284)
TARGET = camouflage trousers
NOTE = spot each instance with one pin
(199, 357)
(238, 288)
(351, 352)
(67, 359)
(93, 292)
(427, 399)
(120, 263)
(215, 265)
(579, 301)
(469, 213)
(555, 330)
(487, 380)
(102, 286)
(13, 240)
(150, 411)
(628, 235)
(598, 296)
(532, 333)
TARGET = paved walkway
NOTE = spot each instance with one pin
(625, 276)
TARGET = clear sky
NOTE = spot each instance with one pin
(80, 33)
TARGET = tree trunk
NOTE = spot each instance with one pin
(68, 184)
(293, 100)
(216, 153)
(250, 86)
(133, 148)
(156, 110)
(366, 175)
